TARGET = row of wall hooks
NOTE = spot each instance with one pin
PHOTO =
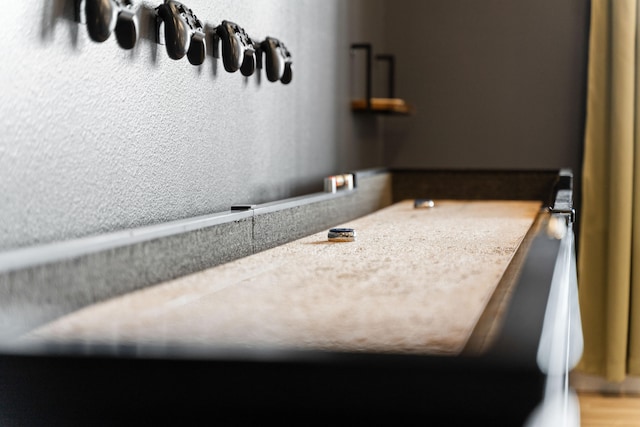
(183, 34)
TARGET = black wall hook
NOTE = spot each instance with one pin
(238, 51)
(278, 60)
(182, 31)
(127, 27)
(106, 16)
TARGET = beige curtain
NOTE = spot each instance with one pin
(609, 252)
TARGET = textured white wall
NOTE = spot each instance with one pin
(95, 138)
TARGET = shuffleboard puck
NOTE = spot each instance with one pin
(423, 204)
(342, 235)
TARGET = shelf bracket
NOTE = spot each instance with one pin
(391, 80)
(367, 48)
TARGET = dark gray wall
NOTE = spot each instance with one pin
(496, 83)
(96, 138)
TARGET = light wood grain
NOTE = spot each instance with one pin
(601, 410)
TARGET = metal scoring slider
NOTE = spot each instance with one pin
(332, 183)
(423, 203)
(342, 235)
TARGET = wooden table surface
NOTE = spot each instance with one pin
(415, 280)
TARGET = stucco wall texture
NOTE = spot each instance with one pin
(96, 138)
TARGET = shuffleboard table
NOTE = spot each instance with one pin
(453, 299)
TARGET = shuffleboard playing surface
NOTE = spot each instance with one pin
(414, 280)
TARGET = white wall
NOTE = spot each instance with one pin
(96, 138)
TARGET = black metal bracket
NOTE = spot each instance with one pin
(391, 79)
(390, 59)
(368, 80)
(562, 198)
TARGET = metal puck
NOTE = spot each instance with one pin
(342, 235)
(423, 203)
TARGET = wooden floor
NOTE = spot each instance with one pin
(601, 410)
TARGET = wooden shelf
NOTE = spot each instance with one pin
(370, 105)
(391, 106)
